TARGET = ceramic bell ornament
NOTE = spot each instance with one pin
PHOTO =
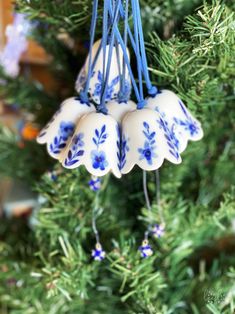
(176, 117)
(146, 142)
(118, 109)
(58, 132)
(94, 145)
(98, 66)
(102, 129)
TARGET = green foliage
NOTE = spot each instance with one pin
(192, 270)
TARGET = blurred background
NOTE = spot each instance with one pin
(45, 211)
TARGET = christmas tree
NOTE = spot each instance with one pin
(48, 268)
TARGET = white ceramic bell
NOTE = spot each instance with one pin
(82, 76)
(177, 117)
(94, 145)
(118, 110)
(58, 132)
(146, 141)
(95, 86)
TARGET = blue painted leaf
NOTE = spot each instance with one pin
(62, 145)
(79, 153)
(103, 128)
(115, 81)
(152, 135)
(72, 162)
(170, 145)
(183, 109)
(97, 133)
(70, 154)
(146, 125)
(100, 76)
(146, 134)
(42, 134)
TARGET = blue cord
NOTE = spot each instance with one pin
(84, 93)
(105, 35)
(102, 106)
(141, 103)
(124, 94)
(119, 70)
(152, 90)
(126, 58)
(127, 61)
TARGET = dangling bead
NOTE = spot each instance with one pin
(158, 230)
(95, 183)
(145, 249)
(98, 254)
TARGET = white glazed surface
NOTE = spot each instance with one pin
(144, 142)
(94, 145)
(58, 132)
(177, 117)
(116, 67)
(118, 110)
(81, 79)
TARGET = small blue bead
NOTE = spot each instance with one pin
(141, 104)
(84, 98)
(153, 91)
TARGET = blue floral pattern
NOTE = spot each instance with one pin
(123, 148)
(75, 151)
(110, 90)
(95, 184)
(189, 124)
(98, 157)
(148, 151)
(66, 130)
(172, 141)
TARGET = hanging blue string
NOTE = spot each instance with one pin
(84, 93)
(127, 61)
(102, 107)
(124, 92)
(104, 40)
(126, 58)
(152, 90)
(142, 102)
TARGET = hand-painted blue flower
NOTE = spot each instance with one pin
(188, 124)
(99, 160)
(76, 152)
(77, 141)
(147, 152)
(172, 141)
(66, 129)
(100, 136)
(110, 89)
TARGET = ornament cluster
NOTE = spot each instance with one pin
(118, 121)
(103, 128)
